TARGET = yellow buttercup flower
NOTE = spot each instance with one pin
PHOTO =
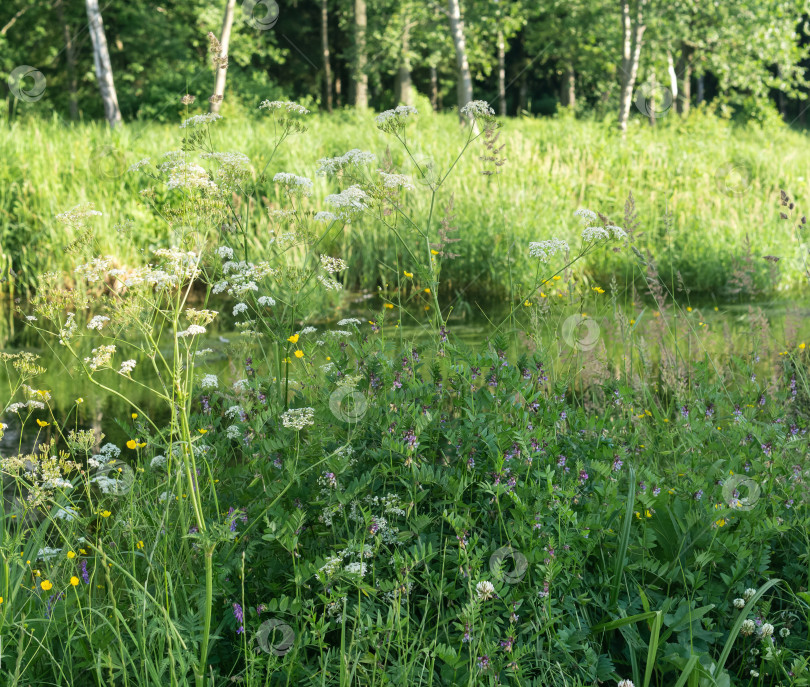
(427, 290)
(556, 277)
(293, 338)
(46, 585)
(141, 445)
(42, 423)
(105, 514)
(202, 431)
(74, 581)
(434, 252)
(389, 306)
(132, 444)
(527, 304)
(408, 274)
(139, 545)
(299, 354)
(71, 554)
(134, 416)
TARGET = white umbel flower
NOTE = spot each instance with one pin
(543, 250)
(477, 108)
(298, 418)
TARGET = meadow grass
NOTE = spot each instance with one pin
(601, 490)
(702, 187)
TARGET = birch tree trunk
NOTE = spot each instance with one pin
(465, 91)
(673, 78)
(404, 84)
(360, 76)
(327, 66)
(631, 52)
(569, 87)
(684, 69)
(70, 56)
(222, 63)
(501, 74)
(101, 59)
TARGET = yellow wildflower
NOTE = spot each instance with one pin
(42, 423)
(132, 444)
(293, 338)
(74, 581)
(46, 585)
(299, 354)
(71, 554)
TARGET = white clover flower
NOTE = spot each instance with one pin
(477, 108)
(97, 322)
(394, 181)
(766, 630)
(784, 632)
(239, 308)
(298, 418)
(739, 603)
(126, 367)
(753, 673)
(199, 119)
(626, 683)
(747, 628)
(485, 590)
(209, 382)
(266, 301)
(285, 105)
(354, 158)
(543, 250)
(748, 593)
(325, 216)
(332, 265)
(294, 183)
(225, 252)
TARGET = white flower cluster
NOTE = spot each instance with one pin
(354, 158)
(477, 108)
(266, 301)
(348, 321)
(332, 265)
(233, 432)
(298, 418)
(285, 105)
(325, 216)
(543, 250)
(392, 121)
(193, 330)
(78, 214)
(127, 367)
(158, 461)
(101, 357)
(329, 284)
(394, 181)
(592, 231)
(140, 163)
(225, 252)
(233, 168)
(242, 277)
(199, 119)
(294, 183)
(94, 270)
(189, 175)
(68, 329)
(348, 201)
(239, 308)
(97, 322)
(209, 382)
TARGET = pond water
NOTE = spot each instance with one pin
(711, 330)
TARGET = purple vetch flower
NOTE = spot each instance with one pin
(617, 463)
(685, 411)
(583, 476)
(240, 618)
(709, 410)
(410, 438)
(483, 662)
(561, 461)
(656, 490)
(698, 495)
(85, 574)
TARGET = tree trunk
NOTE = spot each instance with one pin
(360, 76)
(651, 100)
(403, 85)
(700, 90)
(327, 67)
(338, 92)
(673, 79)
(434, 88)
(222, 64)
(684, 69)
(568, 94)
(501, 74)
(465, 91)
(70, 56)
(631, 52)
(101, 58)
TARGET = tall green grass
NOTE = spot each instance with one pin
(701, 186)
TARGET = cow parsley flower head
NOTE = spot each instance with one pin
(200, 119)
(127, 367)
(395, 181)
(353, 158)
(298, 418)
(393, 121)
(325, 216)
(477, 108)
(265, 301)
(283, 105)
(543, 250)
(348, 201)
(294, 184)
(209, 382)
(332, 265)
(97, 322)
